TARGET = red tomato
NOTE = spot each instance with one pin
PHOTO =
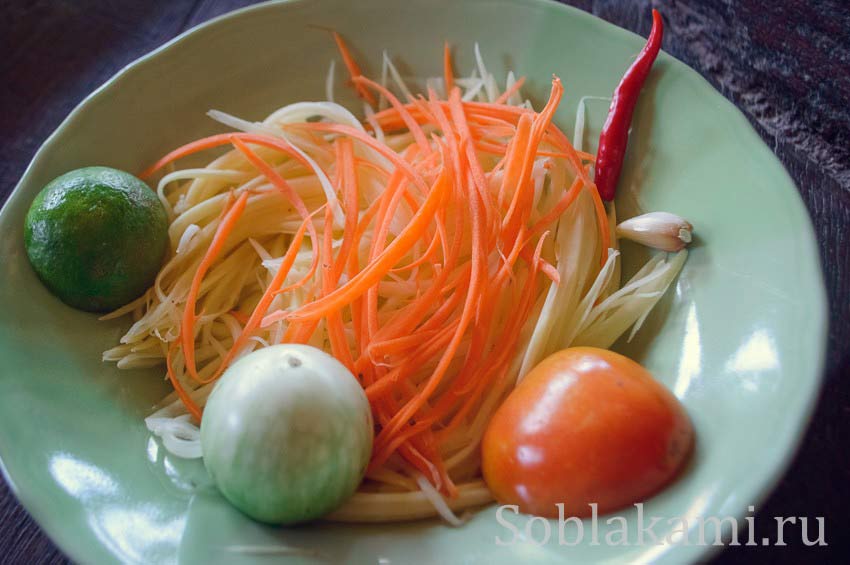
(585, 426)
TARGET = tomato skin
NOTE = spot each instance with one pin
(585, 426)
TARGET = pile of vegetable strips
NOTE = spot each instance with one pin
(437, 249)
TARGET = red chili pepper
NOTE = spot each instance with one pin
(615, 132)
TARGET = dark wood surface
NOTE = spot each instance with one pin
(784, 63)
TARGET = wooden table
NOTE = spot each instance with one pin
(784, 63)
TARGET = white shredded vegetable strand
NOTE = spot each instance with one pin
(581, 115)
(396, 76)
(329, 81)
(438, 501)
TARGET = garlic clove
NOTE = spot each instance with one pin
(660, 230)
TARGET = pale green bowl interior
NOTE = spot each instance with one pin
(740, 339)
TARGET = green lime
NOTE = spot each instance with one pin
(96, 237)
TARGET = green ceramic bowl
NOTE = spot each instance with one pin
(740, 339)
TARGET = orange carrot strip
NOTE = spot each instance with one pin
(397, 345)
(513, 163)
(602, 221)
(219, 140)
(353, 69)
(330, 275)
(241, 317)
(187, 326)
(558, 209)
(432, 248)
(460, 122)
(351, 195)
(503, 98)
(187, 401)
(562, 141)
(448, 73)
(411, 124)
(265, 301)
(185, 150)
(289, 193)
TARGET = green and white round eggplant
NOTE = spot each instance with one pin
(287, 434)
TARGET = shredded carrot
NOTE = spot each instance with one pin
(187, 326)
(240, 317)
(217, 141)
(514, 88)
(253, 321)
(448, 73)
(426, 286)
(566, 200)
(353, 69)
(373, 272)
(602, 221)
(411, 123)
(475, 288)
(187, 401)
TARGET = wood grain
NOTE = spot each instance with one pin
(785, 64)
